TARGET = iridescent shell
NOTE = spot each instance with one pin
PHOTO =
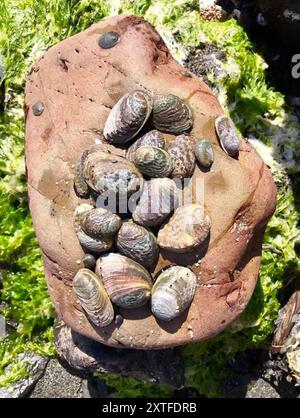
(153, 161)
(171, 114)
(187, 228)
(138, 243)
(153, 138)
(204, 152)
(227, 135)
(93, 297)
(95, 245)
(181, 151)
(127, 117)
(127, 283)
(100, 223)
(111, 174)
(158, 200)
(173, 292)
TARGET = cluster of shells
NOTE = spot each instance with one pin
(121, 250)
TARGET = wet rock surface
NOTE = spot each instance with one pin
(36, 367)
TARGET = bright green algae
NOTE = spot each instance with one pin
(27, 28)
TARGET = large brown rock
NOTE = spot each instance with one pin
(78, 83)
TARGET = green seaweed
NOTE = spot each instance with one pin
(27, 28)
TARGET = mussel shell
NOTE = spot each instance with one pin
(153, 138)
(127, 117)
(138, 243)
(173, 292)
(93, 297)
(204, 152)
(153, 161)
(128, 284)
(111, 174)
(171, 114)
(227, 135)
(181, 151)
(187, 228)
(100, 223)
(95, 245)
(158, 200)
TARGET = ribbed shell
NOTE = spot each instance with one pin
(93, 298)
(173, 292)
(127, 283)
(187, 228)
(95, 245)
(153, 161)
(181, 151)
(204, 152)
(138, 243)
(100, 223)
(171, 114)
(79, 213)
(153, 138)
(128, 117)
(227, 135)
(111, 174)
(157, 201)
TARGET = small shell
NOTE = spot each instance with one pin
(171, 114)
(187, 228)
(153, 161)
(38, 108)
(119, 320)
(204, 152)
(152, 138)
(128, 117)
(89, 261)
(80, 185)
(127, 283)
(173, 292)
(100, 223)
(93, 298)
(108, 40)
(95, 245)
(158, 200)
(227, 135)
(111, 174)
(138, 243)
(181, 150)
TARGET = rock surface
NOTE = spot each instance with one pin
(77, 83)
(158, 366)
(58, 382)
(36, 368)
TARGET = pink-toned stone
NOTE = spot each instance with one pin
(78, 83)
